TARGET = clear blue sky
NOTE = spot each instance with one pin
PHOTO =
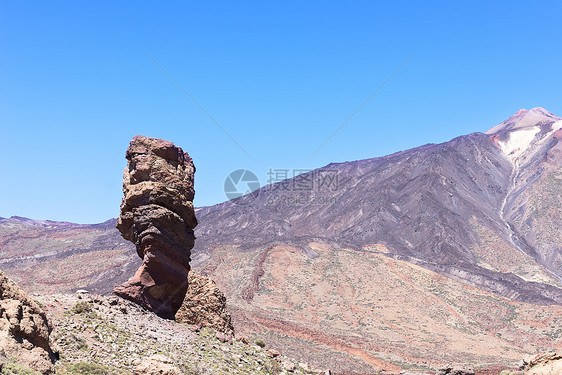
(77, 83)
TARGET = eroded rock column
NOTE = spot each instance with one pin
(157, 216)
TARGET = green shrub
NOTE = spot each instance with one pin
(11, 367)
(260, 343)
(272, 367)
(81, 307)
(74, 341)
(86, 368)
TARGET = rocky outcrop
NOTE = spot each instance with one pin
(157, 216)
(448, 370)
(115, 336)
(24, 330)
(157, 364)
(205, 305)
(542, 364)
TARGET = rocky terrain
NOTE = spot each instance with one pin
(541, 364)
(105, 335)
(116, 336)
(84, 334)
(446, 253)
(157, 216)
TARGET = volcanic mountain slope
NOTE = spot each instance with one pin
(482, 208)
(338, 264)
(532, 209)
(362, 312)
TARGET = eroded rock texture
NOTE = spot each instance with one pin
(542, 364)
(157, 216)
(24, 330)
(205, 305)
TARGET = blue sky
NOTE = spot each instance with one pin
(77, 82)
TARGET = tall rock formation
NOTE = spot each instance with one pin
(24, 330)
(157, 216)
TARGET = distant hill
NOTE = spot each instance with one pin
(52, 257)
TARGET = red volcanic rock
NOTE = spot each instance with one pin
(157, 216)
(243, 340)
(272, 353)
(495, 138)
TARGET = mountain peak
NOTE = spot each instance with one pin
(541, 110)
(525, 118)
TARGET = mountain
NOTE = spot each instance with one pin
(446, 253)
(448, 207)
(400, 256)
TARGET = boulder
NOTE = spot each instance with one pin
(272, 353)
(205, 305)
(157, 216)
(157, 365)
(24, 330)
(448, 370)
(288, 366)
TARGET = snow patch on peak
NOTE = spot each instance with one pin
(524, 142)
(518, 142)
